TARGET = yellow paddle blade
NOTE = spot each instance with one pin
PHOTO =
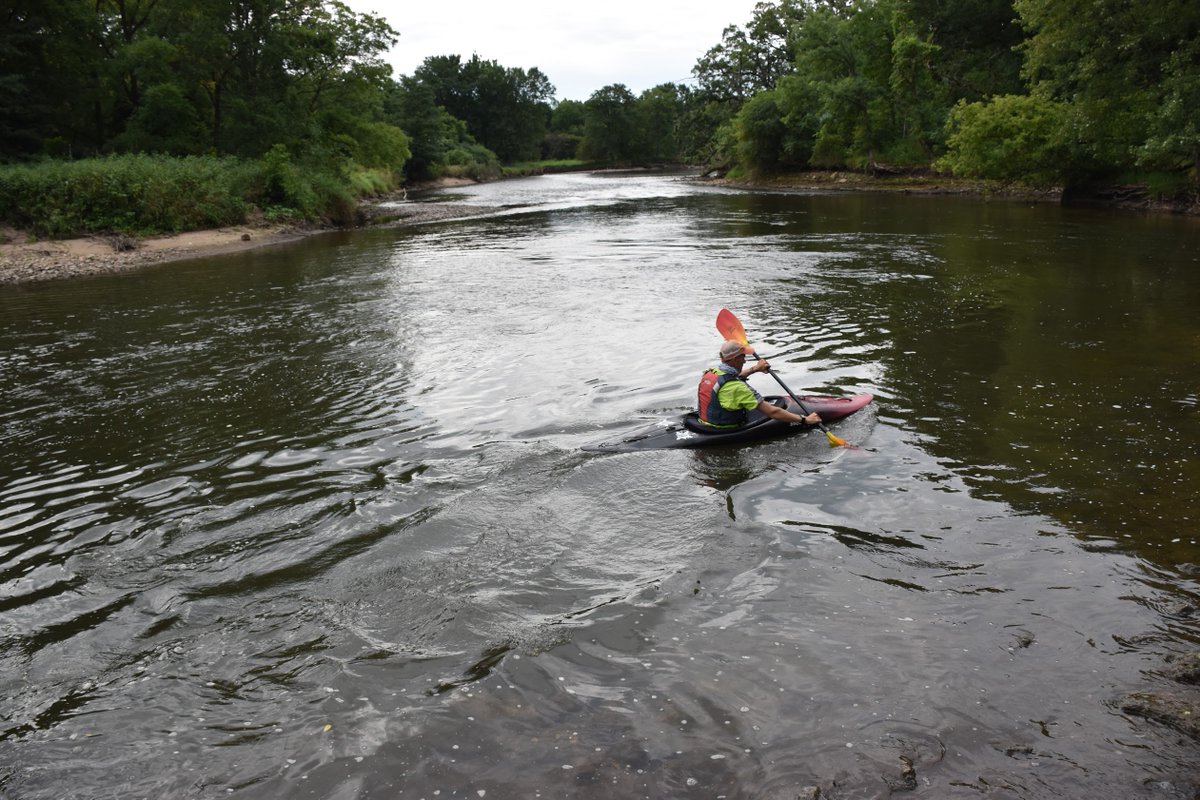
(836, 441)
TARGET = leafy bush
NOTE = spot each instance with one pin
(367, 182)
(283, 184)
(126, 194)
(1009, 138)
(472, 160)
(141, 194)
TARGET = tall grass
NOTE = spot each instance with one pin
(129, 194)
(546, 166)
(146, 194)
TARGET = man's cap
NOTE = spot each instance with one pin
(731, 349)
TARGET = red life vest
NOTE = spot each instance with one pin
(709, 407)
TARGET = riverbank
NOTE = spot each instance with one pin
(25, 259)
(915, 183)
(1136, 198)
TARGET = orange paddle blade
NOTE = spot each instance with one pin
(729, 326)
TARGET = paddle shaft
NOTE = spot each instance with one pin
(791, 394)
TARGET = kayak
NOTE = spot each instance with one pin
(690, 432)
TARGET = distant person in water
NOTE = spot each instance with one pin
(725, 397)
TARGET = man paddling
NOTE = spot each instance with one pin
(724, 395)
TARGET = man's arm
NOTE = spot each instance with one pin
(775, 412)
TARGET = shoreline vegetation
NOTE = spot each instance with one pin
(26, 258)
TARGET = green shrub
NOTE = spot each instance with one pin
(367, 182)
(472, 160)
(283, 184)
(1009, 138)
(142, 194)
(135, 194)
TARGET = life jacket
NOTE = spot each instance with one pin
(710, 409)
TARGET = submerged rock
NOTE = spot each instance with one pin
(1178, 713)
(1184, 668)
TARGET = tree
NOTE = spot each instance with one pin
(918, 99)
(846, 63)
(49, 78)
(566, 131)
(760, 133)
(121, 23)
(1173, 141)
(611, 126)
(657, 122)
(976, 44)
(433, 132)
(1107, 59)
(409, 105)
(753, 58)
(148, 74)
(506, 109)
(568, 116)
(776, 129)
(165, 122)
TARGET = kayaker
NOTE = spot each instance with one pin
(724, 396)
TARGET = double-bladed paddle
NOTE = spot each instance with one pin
(731, 328)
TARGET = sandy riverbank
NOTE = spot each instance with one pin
(25, 259)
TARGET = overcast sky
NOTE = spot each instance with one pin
(579, 47)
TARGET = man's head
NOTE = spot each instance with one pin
(731, 351)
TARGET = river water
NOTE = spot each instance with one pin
(314, 521)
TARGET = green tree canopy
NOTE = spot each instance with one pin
(752, 58)
(230, 76)
(1120, 66)
(611, 128)
(435, 133)
(506, 109)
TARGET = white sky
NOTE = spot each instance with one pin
(579, 47)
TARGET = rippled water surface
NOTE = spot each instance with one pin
(314, 521)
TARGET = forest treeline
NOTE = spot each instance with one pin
(143, 115)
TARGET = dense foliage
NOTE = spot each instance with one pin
(1066, 92)
(293, 90)
(126, 193)
(85, 77)
(1061, 92)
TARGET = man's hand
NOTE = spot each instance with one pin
(759, 366)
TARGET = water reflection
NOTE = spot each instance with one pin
(315, 521)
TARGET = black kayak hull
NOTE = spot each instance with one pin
(688, 432)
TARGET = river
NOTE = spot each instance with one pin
(314, 521)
